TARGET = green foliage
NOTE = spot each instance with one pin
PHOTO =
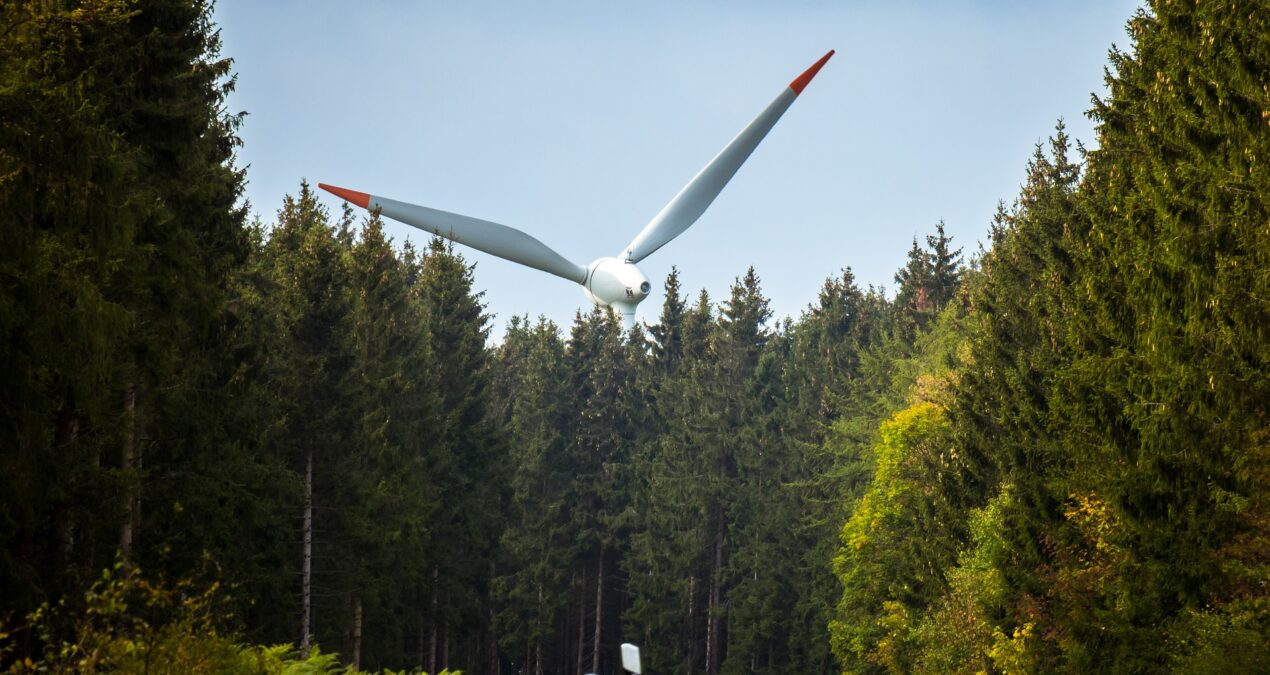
(119, 230)
(1096, 398)
(959, 632)
(532, 403)
(927, 283)
(665, 561)
(129, 624)
(110, 637)
(1234, 638)
(1169, 377)
(900, 537)
(1018, 318)
(466, 462)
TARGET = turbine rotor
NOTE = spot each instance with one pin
(612, 281)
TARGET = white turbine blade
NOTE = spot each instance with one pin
(696, 196)
(482, 235)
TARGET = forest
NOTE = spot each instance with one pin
(238, 445)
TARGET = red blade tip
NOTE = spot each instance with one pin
(801, 81)
(352, 196)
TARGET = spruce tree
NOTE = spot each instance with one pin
(1167, 396)
(927, 283)
(666, 564)
(466, 462)
(389, 500)
(1018, 322)
(534, 408)
(945, 267)
(603, 440)
(121, 228)
(667, 333)
(827, 390)
(311, 281)
(731, 409)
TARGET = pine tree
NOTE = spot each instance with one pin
(1018, 321)
(311, 276)
(827, 393)
(927, 283)
(226, 494)
(912, 300)
(667, 333)
(121, 229)
(534, 407)
(600, 448)
(467, 462)
(730, 408)
(945, 268)
(666, 563)
(388, 499)
(766, 517)
(1166, 398)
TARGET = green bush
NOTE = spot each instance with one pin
(129, 624)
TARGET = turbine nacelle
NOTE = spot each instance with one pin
(617, 283)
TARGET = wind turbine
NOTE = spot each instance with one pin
(614, 281)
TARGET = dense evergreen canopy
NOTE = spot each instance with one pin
(1050, 458)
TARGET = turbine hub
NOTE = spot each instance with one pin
(616, 283)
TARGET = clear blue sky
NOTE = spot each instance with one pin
(576, 122)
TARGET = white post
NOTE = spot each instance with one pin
(630, 658)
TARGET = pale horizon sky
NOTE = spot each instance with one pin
(577, 122)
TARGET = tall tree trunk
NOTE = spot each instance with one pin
(357, 632)
(445, 646)
(537, 635)
(692, 623)
(491, 662)
(599, 612)
(129, 459)
(581, 622)
(432, 641)
(422, 644)
(306, 568)
(432, 647)
(65, 432)
(564, 654)
(714, 617)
